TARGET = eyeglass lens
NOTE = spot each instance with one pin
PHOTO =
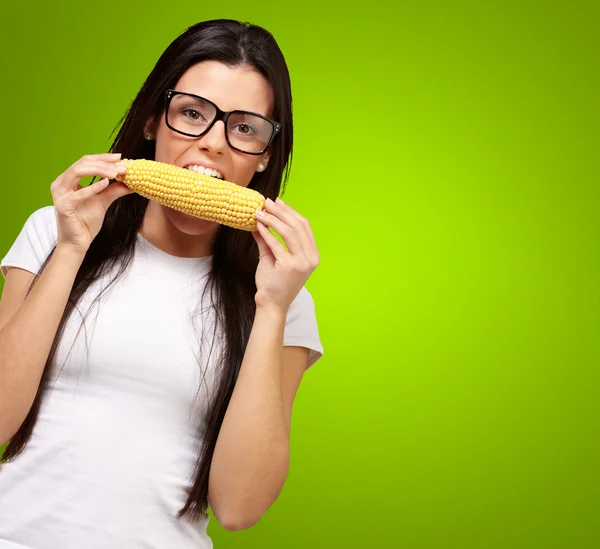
(245, 131)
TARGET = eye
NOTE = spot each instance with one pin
(245, 129)
(192, 114)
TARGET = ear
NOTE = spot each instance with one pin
(264, 159)
(150, 128)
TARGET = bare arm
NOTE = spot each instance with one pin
(251, 459)
(27, 329)
(28, 325)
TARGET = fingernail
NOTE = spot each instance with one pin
(260, 213)
(269, 201)
(121, 168)
(279, 200)
(118, 155)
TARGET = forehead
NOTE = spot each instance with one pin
(231, 88)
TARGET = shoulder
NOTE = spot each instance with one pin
(41, 224)
(302, 328)
(42, 220)
(41, 229)
(37, 236)
(302, 305)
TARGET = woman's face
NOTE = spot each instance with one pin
(230, 88)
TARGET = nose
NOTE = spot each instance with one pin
(214, 141)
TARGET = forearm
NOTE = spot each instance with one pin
(251, 457)
(26, 339)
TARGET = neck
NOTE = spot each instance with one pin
(176, 233)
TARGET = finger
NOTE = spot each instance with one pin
(287, 233)
(113, 192)
(302, 227)
(275, 246)
(294, 220)
(103, 157)
(297, 221)
(69, 181)
(86, 192)
(96, 168)
(263, 247)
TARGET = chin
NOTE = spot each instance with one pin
(190, 224)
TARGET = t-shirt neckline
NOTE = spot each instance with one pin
(207, 259)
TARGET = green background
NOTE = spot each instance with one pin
(447, 157)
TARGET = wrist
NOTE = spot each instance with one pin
(69, 255)
(271, 311)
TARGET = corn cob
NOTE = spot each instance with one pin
(193, 193)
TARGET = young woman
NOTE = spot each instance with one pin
(149, 359)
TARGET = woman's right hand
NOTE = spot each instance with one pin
(80, 210)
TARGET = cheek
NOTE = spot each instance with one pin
(244, 171)
(162, 153)
(169, 146)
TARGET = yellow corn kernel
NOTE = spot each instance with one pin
(193, 193)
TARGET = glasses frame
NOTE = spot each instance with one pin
(221, 115)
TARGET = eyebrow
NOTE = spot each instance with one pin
(255, 111)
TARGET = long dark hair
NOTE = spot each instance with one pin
(231, 281)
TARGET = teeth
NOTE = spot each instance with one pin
(207, 171)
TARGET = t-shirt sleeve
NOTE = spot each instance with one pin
(301, 328)
(33, 244)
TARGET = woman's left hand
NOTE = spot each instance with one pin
(281, 274)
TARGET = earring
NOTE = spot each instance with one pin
(147, 136)
(261, 167)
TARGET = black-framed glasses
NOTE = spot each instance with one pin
(192, 115)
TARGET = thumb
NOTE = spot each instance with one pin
(112, 192)
(263, 248)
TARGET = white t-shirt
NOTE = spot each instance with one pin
(117, 436)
